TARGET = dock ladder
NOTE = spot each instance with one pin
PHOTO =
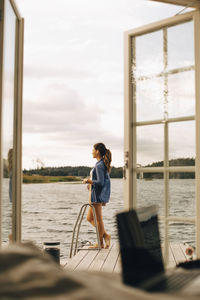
(78, 223)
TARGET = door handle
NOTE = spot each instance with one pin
(124, 169)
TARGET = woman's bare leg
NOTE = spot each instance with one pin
(90, 217)
(102, 233)
(107, 238)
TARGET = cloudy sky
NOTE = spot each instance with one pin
(73, 76)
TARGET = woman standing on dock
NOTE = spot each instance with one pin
(99, 186)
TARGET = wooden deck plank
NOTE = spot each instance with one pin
(177, 253)
(112, 257)
(118, 266)
(171, 261)
(75, 260)
(99, 260)
(109, 260)
(88, 259)
(183, 250)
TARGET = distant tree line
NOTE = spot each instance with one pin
(80, 171)
(172, 163)
(83, 171)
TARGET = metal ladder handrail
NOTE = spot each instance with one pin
(78, 223)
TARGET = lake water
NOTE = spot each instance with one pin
(49, 211)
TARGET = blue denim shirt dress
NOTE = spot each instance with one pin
(101, 183)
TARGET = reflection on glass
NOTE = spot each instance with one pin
(149, 54)
(8, 113)
(181, 45)
(149, 99)
(150, 140)
(181, 140)
(181, 94)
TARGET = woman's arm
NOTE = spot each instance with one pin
(100, 175)
(100, 171)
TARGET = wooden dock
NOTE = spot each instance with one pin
(108, 260)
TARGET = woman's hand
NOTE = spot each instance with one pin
(85, 180)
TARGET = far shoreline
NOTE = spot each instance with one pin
(50, 179)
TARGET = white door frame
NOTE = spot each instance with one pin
(130, 125)
(17, 117)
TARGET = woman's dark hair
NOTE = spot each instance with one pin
(105, 154)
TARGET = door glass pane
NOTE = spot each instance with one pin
(181, 141)
(181, 94)
(149, 99)
(164, 88)
(8, 113)
(150, 140)
(150, 191)
(149, 54)
(181, 45)
(182, 194)
(181, 233)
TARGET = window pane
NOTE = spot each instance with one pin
(151, 192)
(182, 195)
(149, 99)
(182, 233)
(150, 141)
(181, 141)
(181, 94)
(181, 45)
(149, 54)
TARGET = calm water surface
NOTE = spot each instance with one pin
(49, 211)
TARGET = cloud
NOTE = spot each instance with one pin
(60, 114)
(58, 109)
(48, 71)
(73, 75)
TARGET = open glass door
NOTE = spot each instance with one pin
(162, 122)
(11, 56)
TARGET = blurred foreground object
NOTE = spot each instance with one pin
(26, 273)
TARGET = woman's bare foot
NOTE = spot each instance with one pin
(107, 239)
(95, 246)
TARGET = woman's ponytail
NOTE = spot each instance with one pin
(107, 160)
